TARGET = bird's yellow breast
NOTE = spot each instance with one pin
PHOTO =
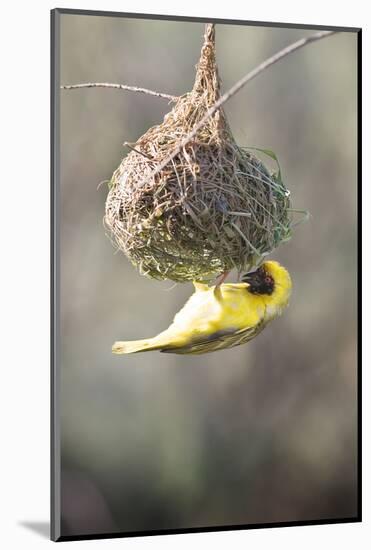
(205, 313)
(240, 308)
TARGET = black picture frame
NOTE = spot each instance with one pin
(55, 274)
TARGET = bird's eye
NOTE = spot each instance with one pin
(268, 280)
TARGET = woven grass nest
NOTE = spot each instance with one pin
(213, 208)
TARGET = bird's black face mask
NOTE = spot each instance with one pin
(260, 281)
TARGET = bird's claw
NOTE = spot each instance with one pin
(220, 280)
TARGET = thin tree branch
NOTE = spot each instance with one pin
(119, 87)
(240, 84)
(129, 145)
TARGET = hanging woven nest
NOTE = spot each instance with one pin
(214, 207)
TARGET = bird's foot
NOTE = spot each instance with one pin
(220, 280)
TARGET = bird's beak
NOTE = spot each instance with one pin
(250, 277)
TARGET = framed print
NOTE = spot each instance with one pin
(205, 283)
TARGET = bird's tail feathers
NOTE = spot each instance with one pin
(134, 346)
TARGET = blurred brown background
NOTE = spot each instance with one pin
(262, 433)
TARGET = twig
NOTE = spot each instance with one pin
(129, 145)
(240, 84)
(119, 87)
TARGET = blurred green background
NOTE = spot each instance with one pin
(261, 433)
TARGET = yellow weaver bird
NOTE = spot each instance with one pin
(221, 316)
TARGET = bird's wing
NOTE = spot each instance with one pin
(221, 339)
